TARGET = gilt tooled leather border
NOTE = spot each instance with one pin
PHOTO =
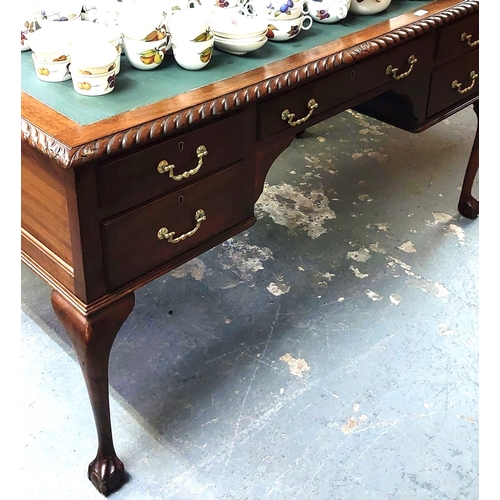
(153, 130)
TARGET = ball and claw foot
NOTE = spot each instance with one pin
(107, 474)
(469, 208)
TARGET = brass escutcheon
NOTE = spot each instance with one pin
(412, 60)
(163, 167)
(455, 85)
(165, 234)
(288, 117)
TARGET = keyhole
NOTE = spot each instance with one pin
(181, 199)
(352, 75)
(181, 146)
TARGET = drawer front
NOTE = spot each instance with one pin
(131, 243)
(457, 39)
(445, 83)
(339, 87)
(134, 179)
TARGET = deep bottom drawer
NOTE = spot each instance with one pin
(453, 82)
(133, 245)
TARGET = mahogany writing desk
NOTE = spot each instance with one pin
(120, 189)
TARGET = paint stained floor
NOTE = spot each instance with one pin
(330, 352)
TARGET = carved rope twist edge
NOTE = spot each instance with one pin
(155, 129)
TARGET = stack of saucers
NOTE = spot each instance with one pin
(238, 34)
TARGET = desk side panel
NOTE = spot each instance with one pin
(45, 216)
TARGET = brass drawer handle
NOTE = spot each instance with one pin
(464, 37)
(163, 167)
(164, 234)
(288, 117)
(412, 60)
(455, 85)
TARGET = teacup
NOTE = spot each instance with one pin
(90, 31)
(190, 24)
(28, 26)
(58, 11)
(369, 7)
(90, 12)
(146, 55)
(172, 6)
(93, 57)
(52, 43)
(328, 11)
(208, 4)
(193, 55)
(286, 29)
(276, 9)
(139, 21)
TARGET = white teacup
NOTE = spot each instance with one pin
(222, 4)
(276, 9)
(52, 43)
(286, 29)
(189, 24)
(28, 26)
(193, 55)
(145, 55)
(140, 22)
(328, 11)
(369, 7)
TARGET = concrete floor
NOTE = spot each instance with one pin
(330, 352)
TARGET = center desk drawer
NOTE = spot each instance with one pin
(341, 86)
(192, 215)
(134, 179)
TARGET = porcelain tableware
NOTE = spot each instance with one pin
(91, 31)
(93, 57)
(52, 43)
(286, 29)
(58, 11)
(141, 21)
(368, 7)
(145, 55)
(328, 11)
(27, 16)
(190, 24)
(193, 56)
(240, 46)
(236, 25)
(93, 85)
(276, 9)
(51, 71)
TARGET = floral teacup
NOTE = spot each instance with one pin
(328, 11)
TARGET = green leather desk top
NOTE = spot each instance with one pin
(135, 88)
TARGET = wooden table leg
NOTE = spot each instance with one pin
(468, 206)
(92, 336)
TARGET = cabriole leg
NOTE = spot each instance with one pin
(468, 206)
(92, 336)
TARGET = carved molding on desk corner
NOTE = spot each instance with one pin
(156, 129)
(45, 143)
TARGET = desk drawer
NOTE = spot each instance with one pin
(131, 243)
(443, 92)
(457, 39)
(134, 179)
(339, 87)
